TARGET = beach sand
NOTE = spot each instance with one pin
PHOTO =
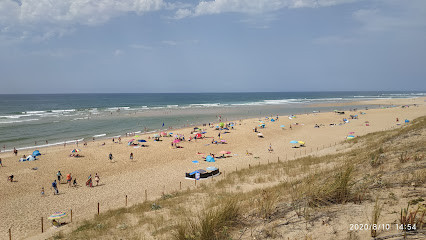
(160, 168)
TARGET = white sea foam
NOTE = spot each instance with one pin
(100, 135)
(64, 111)
(19, 121)
(205, 105)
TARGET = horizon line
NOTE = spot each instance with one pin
(416, 91)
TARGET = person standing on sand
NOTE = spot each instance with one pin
(97, 179)
(59, 175)
(69, 178)
(42, 191)
(55, 188)
(110, 156)
(131, 156)
(1, 164)
(15, 151)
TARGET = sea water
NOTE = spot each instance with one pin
(37, 120)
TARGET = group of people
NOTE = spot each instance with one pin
(89, 181)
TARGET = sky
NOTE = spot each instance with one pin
(141, 46)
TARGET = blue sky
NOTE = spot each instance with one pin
(90, 46)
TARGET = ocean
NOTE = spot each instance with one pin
(39, 120)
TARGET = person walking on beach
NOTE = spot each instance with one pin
(69, 179)
(89, 181)
(270, 148)
(15, 151)
(42, 191)
(131, 156)
(110, 156)
(97, 179)
(59, 175)
(55, 188)
(1, 164)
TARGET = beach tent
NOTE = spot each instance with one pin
(210, 159)
(407, 121)
(30, 158)
(272, 120)
(36, 153)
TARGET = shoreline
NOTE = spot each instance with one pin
(374, 102)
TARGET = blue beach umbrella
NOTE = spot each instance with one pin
(195, 161)
(282, 126)
(294, 142)
(407, 121)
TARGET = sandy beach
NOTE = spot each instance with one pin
(160, 168)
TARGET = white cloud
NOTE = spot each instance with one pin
(403, 16)
(168, 42)
(251, 6)
(140, 46)
(41, 16)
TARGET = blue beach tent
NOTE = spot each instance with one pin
(210, 159)
(36, 153)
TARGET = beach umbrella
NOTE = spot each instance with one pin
(282, 126)
(350, 137)
(75, 150)
(36, 153)
(301, 142)
(210, 159)
(407, 121)
(272, 120)
(294, 142)
(163, 134)
(203, 132)
(221, 124)
(195, 161)
(142, 140)
(131, 140)
(198, 135)
(57, 215)
(30, 158)
(176, 141)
